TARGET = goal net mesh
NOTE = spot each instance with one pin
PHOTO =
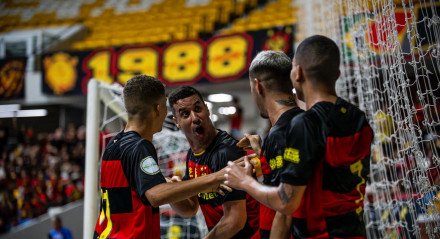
(390, 52)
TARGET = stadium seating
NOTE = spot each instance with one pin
(128, 22)
(274, 14)
(162, 22)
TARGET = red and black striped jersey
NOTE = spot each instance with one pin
(213, 159)
(129, 168)
(328, 150)
(272, 162)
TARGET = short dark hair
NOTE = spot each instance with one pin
(141, 93)
(273, 68)
(182, 93)
(319, 57)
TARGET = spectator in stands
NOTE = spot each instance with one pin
(57, 139)
(37, 175)
(328, 151)
(58, 231)
(15, 135)
(234, 215)
(4, 133)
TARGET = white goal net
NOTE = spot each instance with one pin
(390, 53)
(106, 116)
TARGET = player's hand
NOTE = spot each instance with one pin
(223, 189)
(240, 161)
(176, 179)
(251, 141)
(237, 176)
(244, 142)
(173, 179)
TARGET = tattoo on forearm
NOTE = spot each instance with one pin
(285, 194)
(288, 102)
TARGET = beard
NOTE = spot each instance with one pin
(300, 95)
(264, 115)
(262, 109)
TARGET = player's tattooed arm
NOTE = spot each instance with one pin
(285, 193)
(287, 198)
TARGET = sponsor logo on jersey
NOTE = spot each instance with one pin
(291, 155)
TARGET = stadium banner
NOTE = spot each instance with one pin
(356, 29)
(218, 59)
(12, 72)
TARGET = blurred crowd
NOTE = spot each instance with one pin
(38, 171)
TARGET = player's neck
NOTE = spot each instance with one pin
(278, 105)
(315, 93)
(145, 130)
(315, 97)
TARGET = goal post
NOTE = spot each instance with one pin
(92, 159)
(98, 93)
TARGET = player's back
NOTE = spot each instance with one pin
(340, 154)
(272, 163)
(124, 212)
(348, 138)
(273, 147)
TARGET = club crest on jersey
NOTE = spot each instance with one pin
(149, 166)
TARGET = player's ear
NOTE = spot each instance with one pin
(254, 81)
(299, 73)
(259, 87)
(157, 109)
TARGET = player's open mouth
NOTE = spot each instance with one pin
(199, 130)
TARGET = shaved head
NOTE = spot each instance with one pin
(319, 57)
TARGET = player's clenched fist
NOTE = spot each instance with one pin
(237, 176)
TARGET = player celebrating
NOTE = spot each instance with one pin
(328, 150)
(271, 88)
(230, 216)
(132, 186)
